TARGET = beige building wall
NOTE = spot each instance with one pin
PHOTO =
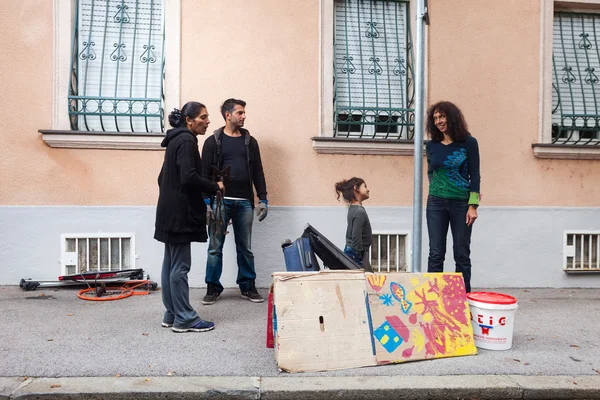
(483, 55)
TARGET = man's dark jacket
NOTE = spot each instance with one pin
(181, 212)
(212, 156)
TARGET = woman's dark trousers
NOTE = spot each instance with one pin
(442, 213)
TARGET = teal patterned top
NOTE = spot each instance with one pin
(453, 170)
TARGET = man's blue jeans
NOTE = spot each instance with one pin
(241, 214)
(441, 213)
(175, 290)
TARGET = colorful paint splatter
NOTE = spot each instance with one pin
(432, 319)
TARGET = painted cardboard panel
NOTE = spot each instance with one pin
(419, 316)
(321, 321)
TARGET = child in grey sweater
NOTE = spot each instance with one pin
(358, 233)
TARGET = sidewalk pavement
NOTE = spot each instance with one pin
(54, 345)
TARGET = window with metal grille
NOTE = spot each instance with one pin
(390, 252)
(97, 252)
(575, 89)
(373, 72)
(117, 66)
(581, 251)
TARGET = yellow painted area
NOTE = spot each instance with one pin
(417, 339)
(460, 346)
(384, 339)
(396, 339)
(376, 281)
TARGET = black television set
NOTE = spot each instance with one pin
(330, 254)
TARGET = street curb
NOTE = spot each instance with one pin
(302, 387)
(128, 388)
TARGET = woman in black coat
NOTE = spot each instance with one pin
(181, 214)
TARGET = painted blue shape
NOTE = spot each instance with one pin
(388, 337)
(387, 300)
(399, 294)
(370, 321)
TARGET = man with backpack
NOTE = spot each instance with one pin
(233, 155)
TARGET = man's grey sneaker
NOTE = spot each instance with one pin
(165, 325)
(212, 294)
(252, 294)
(201, 326)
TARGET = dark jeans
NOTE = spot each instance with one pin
(175, 290)
(241, 215)
(361, 258)
(353, 254)
(441, 213)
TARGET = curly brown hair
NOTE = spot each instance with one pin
(457, 127)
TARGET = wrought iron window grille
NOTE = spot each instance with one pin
(575, 89)
(117, 66)
(373, 70)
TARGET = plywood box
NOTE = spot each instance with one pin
(322, 321)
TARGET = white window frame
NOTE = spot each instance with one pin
(65, 258)
(407, 249)
(544, 148)
(61, 135)
(570, 251)
(326, 143)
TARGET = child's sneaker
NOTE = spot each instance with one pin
(201, 326)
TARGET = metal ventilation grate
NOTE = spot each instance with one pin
(97, 252)
(390, 252)
(581, 251)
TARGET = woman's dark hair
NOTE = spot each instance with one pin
(191, 109)
(346, 188)
(457, 127)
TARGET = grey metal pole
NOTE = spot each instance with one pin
(418, 137)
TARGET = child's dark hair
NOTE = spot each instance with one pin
(191, 109)
(346, 188)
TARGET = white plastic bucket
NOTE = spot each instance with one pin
(493, 319)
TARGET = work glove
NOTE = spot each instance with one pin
(210, 216)
(262, 210)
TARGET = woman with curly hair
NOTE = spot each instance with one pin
(454, 179)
